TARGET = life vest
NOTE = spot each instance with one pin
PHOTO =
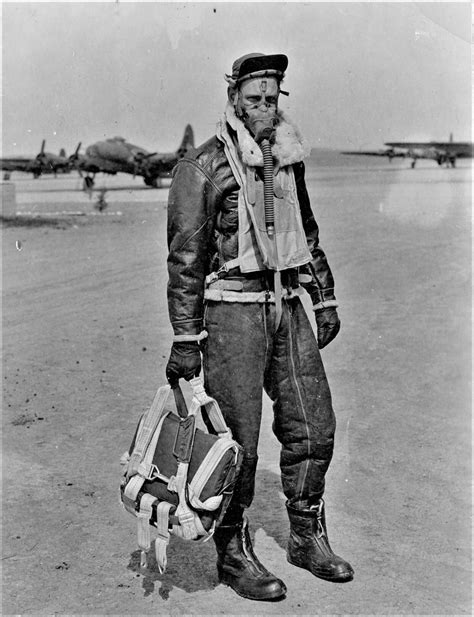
(258, 251)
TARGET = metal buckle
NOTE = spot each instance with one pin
(223, 268)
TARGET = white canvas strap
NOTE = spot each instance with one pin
(200, 531)
(133, 487)
(143, 526)
(146, 467)
(202, 399)
(202, 475)
(177, 484)
(147, 428)
(161, 543)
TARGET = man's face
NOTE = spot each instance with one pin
(257, 106)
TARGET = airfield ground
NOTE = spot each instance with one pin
(85, 342)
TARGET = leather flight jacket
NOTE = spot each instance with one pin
(203, 234)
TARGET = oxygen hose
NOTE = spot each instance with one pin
(269, 205)
(268, 186)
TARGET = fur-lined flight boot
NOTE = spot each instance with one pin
(308, 546)
(239, 567)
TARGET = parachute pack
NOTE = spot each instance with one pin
(180, 470)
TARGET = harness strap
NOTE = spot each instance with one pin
(241, 297)
(200, 531)
(146, 467)
(161, 543)
(228, 265)
(177, 484)
(202, 399)
(325, 304)
(143, 526)
(202, 475)
(278, 299)
(146, 430)
(133, 487)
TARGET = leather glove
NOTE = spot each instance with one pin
(328, 324)
(184, 362)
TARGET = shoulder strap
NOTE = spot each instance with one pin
(202, 399)
(149, 422)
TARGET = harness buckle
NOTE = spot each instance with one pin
(215, 276)
(212, 278)
(222, 269)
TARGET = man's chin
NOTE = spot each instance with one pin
(262, 131)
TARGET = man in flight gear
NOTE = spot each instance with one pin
(243, 247)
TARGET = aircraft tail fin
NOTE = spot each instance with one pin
(187, 142)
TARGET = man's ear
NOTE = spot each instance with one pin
(232, 94)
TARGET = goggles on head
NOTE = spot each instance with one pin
(234, 83)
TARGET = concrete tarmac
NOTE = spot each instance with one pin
(86, 338)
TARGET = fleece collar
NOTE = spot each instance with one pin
(289, 147)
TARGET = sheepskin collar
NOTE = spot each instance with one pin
(289, 147)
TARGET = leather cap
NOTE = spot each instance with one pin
(247, 65)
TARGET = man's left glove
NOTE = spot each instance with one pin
(184, 362)
(328, 324)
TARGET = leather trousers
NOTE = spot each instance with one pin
(244, 355)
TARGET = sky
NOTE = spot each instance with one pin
(359, 73)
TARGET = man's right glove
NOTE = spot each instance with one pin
(184, 362)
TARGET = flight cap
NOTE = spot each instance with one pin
(258, 65)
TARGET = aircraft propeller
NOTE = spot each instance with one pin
(41, 156)
(41, 152)
(74, 158)
(40, 161)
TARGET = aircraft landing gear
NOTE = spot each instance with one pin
(153, 182)
(88, 183)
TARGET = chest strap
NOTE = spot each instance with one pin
(223, 270)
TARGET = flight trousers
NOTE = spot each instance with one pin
(243, 355)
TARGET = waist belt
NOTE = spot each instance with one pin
(267, 286)
(249, 297)
(256, 281)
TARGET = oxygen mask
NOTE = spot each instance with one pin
(257, 107)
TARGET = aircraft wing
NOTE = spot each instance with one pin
(17, 164)
(461, 149)
(389, 153)
(409, 144)
(15, 160)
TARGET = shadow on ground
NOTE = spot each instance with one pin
(191, 565)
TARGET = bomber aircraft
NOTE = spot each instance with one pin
(42, 163)
(443, 152)
(117, 155)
